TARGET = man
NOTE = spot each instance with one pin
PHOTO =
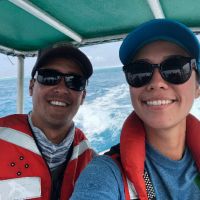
(43, 153)
(158, 156)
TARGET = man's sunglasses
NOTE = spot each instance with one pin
(175, 70)
(53, 77)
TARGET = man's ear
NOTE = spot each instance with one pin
(31, 85)
(83, 96)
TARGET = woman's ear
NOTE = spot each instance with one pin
(197, 91)
(31, 85)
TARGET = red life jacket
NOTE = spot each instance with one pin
(131, 156)
(22, 167)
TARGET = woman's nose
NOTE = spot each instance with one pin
(157, 81)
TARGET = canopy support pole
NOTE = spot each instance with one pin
(20, 85)
(156, 9)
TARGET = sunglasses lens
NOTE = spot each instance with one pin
(176, 70)
(138, 73)
(53, 77)
(75, 82)
(48, 77)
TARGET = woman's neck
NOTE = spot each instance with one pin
(170, 142)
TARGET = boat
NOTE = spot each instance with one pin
(27, 26)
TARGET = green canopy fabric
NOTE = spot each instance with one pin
(94, 21)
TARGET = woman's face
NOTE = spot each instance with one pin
(162, 105)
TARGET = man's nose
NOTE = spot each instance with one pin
(61, 86)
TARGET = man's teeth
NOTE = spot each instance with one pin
(58, 103)
(158, 102)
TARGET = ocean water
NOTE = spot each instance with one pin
(101, 116)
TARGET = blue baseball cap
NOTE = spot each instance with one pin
(159, 29)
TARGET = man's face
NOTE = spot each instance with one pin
(56, 105)
(162, 105)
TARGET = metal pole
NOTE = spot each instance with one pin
(20, 85)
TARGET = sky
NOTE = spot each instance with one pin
(102, 55)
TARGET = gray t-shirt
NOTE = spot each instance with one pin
(172, 180)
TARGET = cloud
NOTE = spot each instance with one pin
(103, 55)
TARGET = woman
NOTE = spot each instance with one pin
(159, 152)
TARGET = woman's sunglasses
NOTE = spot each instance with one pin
(175, 70)
(53, 77)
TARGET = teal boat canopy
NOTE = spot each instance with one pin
(27, 26)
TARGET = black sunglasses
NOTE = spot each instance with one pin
(53, 77)
(175, 70)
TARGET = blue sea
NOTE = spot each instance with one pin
(101, 116)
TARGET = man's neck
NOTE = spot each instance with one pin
(56, 133)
